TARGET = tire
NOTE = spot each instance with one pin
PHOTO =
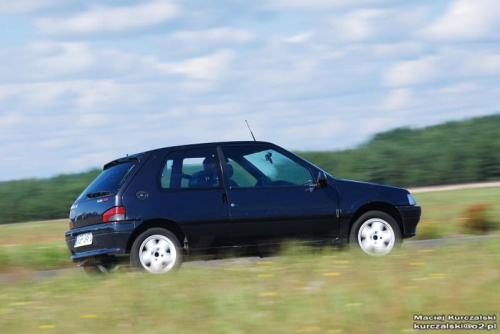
(156, 251)
(376, 233)
(98, 268)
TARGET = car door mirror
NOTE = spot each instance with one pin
(322, 180)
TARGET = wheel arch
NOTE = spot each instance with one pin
(161, 223)
(376, 206)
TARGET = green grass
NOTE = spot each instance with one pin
(300, 292)
(34, 246)
(34, 257)
(33, 232)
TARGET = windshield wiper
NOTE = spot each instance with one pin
(98, 193)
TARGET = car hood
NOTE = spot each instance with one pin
(354, 183)
(356, 191)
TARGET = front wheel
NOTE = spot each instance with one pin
(376, 233)
(157, 251)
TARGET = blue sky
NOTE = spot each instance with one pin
(85, 82)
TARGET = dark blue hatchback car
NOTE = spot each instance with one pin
(157, 207)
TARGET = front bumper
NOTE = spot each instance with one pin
(410, 216)
(107, 239)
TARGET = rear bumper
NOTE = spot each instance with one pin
(410, 216)
(107, 239)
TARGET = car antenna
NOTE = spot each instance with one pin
(250, 131)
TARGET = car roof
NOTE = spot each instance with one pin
(202, 145)
(191, 146)
(210, 144)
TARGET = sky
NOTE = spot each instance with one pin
(86, 82)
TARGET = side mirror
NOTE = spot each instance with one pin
(322, 180)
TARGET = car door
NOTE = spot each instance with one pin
(272, 197)
(192, 195)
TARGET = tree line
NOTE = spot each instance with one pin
(454, 152)
(449, 153)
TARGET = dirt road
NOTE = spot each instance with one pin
(455, 187)
(214, 264)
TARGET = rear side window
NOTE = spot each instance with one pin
(197, 168)
(109, 181)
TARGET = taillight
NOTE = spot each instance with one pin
(114, 214)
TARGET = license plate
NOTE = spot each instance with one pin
(84, 239)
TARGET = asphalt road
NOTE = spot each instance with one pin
(418, 244)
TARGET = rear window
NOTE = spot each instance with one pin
(109, 181)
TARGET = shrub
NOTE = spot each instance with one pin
(477, 220)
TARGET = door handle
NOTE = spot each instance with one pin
(224, 198)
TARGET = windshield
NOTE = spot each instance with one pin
(109, 181)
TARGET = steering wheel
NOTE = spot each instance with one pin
(263, 181)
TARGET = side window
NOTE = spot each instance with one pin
(239, 176)
(198, 168)
(264, 166)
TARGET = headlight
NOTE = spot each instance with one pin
(411, 199)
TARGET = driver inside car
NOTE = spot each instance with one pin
(208, 177)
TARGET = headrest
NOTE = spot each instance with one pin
(230, 170)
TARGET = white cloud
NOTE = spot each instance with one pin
(92, 119)
(54, 143)
(480, 63)
(219, 109)
(62, 97)
(216, 35)
(110, 19)
(73, 61)
(412, 72)
(325, 76)
(314, 132)
(184, 44)
(11, 119)
(51, 61)
(46, 60)
(446, 64)
(93, 96)
(399, 49)
(375, 124)
(300, 38)
(317, 4)
(98, 158)
(64, 58)
(358, 25)
(466, 20)
(398, 99)
(211, 67)
(460, 88)
(25, 6)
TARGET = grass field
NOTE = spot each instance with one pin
(41, 245)
(443, 212)
(34, 246)
(300, 292)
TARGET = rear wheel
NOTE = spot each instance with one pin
(157, 251)
(376, 233)
(100, 268)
